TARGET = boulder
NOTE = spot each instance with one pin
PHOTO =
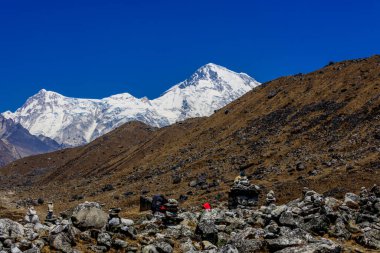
(288, 219)
(370, 238)
(351, 200)
(15, 250)
(188, 247)
(284, 242)
(339, 230)
(104, 239)
(163, 247)
(248, 240)
(89, 215)
(207, 230)
(119, 244)
(316, 224)
(228, 248)
(62, 236)
(206, 245)
(333, 203)
(319, 247)
(10, 229)
(149, 249)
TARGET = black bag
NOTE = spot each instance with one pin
(157, 202)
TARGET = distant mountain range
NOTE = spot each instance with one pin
(16, 142)
(76, 121)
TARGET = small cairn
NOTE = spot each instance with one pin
(114, 220)
(270, 199)
(31, 216)
(171, 212)
(243, 194)
(50, 217)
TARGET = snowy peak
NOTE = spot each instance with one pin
(48, 94)
(76, 121)
(218, 76)
(207, 72)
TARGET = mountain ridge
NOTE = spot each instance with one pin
(77, 121)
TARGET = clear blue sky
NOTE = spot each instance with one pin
(98, 48)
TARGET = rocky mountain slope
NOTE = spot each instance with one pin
(16, 142)
(74, 121)
(319, 130)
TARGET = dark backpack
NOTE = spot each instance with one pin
(157, 201)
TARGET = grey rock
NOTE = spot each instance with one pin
(98, 248)
(278, 211)
(339, 230)
(39, 243)
(300, 166)
(284, 242)
(149, 249)
(15, 250)
(163, 247)
(10, 229)
(315, 223)
(208, 245)
(129, 231)
(248, 240)
(104, 239)
(127, 222)
(188, 247)
(120, 244)
(62, 237)
(207, 230)
(32, 250)
(114, 222)
(320, 247)
(7, 243)
(228, 248)
(89, 215)
(370, 238)
(288, 219)
(351, 200)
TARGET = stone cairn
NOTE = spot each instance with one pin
(170, 216)
(50, 217)
(243, 194)
(31, 216)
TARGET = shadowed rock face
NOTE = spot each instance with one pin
(16, 142)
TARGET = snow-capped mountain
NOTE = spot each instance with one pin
(75, 121)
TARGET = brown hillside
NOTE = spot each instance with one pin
(320, 130)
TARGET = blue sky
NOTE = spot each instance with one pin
(98, 48)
